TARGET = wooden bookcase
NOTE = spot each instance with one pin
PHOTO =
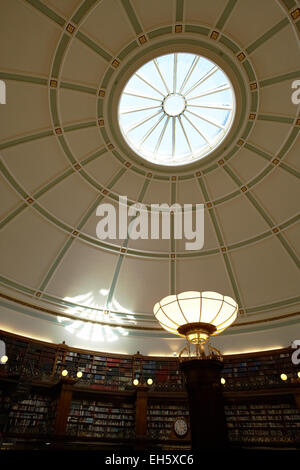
(100, 419)
(273, 421)
(161, 417)
(104, 407)
(34, 414)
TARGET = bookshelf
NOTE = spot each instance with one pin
(164, 373)
(264, 422)
(99, 419)
(258, 370)
(161, 416)
(103, 371)
(103, 405)
(33, 415)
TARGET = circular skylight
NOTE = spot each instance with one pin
(176, 109)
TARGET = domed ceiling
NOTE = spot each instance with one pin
(65, 64)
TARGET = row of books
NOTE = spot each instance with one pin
(107, 434)
(160, 418)
(241, 373)
(94, 418)
(100, 423)
(263, 422)
(105, 416)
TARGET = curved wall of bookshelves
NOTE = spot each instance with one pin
(103, 407)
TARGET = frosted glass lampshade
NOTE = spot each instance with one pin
(196, 315)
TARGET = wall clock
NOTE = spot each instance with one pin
(180, 427)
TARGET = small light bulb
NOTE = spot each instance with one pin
(283, 377)
(149, 381)
(4, 359)
(298, 374)
(64, 373)
(79, 374)
(223, 381)
(135, 382)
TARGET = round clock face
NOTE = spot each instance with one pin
(180, 427)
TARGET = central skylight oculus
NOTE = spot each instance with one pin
(176, 109)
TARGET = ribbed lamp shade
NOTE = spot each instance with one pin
(196, 315)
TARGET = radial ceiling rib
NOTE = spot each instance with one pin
(210, 92)
(189, 73)
(172, 262)
(149, 84)
(268, 219)
(137, 110)
(198, 130)
(47, 186)
(132, 18)
(67, 245)
(247, 242)
(161, 76)
(268, 35)
(226, 14)
(202, 80)
(161, 135)
(26, 138)
(122, 256)
(210, 121)
(175, 74)
(138, 95)
(220, 238)
(46, 11)
(185, 134)
(143, 121)
(214, 106)
(151, 130)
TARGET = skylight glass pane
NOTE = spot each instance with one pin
(176, 108)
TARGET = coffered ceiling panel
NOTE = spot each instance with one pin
(103, 168)
(66, 7)
(249, 223)
(130, 292)
(189, 192)
(109, 26)
(83, 65)
(265, 59)
(36, 163)
(269, 136)
(207, 15)
(292, 234)
(16, 118)
(259, 16)
(276, 99)
(87, 276)
(72, 206)
(76, 107)
(247, 164)
(253, 265)
(292, 157)
(27, 247)
(283, 203)
(129, 185)
(9, 198)
(154, 14)
(219, 183)
(30, 39)
(84, 142)
(209, 272)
